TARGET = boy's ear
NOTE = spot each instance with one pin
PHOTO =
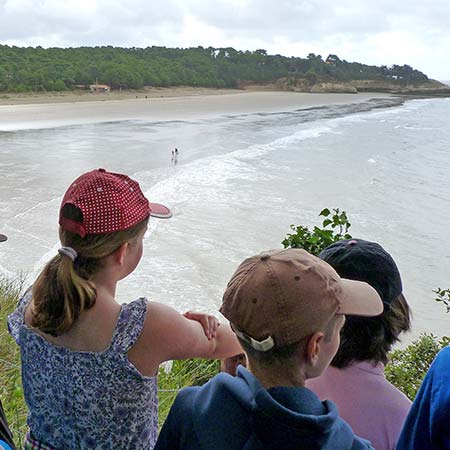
(313, 348)
(119, 254)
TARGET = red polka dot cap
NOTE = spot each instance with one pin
(109, 202)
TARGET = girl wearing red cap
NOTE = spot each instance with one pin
(89, 364)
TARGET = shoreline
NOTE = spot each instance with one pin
(149, 93)
(168, 105)
(76, 96)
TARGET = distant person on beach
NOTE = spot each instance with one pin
(175, 156)
(427, 424)
(355, 381)
(6, 437)
(90, 364)
(287, 308)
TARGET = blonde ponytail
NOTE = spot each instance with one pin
(65, 289)
(60, 295)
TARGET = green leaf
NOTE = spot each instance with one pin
(315, 240)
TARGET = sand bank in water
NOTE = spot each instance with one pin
(87, 96)
(178, 104)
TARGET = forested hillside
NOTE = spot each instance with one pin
(58, 69)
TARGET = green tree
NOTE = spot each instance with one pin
(39, 68)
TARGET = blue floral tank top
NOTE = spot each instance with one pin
(84, 400)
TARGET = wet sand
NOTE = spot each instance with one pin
(174, 105)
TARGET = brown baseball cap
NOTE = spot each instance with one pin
(278, 297)
(3, 238)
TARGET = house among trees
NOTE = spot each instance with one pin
(332, 60)
(100, 88)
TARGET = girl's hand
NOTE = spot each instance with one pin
(208, 322)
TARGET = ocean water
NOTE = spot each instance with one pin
(240, 182)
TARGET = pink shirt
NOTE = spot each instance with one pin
(372, 406)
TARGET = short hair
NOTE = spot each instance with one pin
(286, 352)
(274, 354)
(230, 365)
(372, 338)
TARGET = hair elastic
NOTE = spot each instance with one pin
(68, 251)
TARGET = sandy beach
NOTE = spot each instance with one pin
(168, 104)
(12, 98)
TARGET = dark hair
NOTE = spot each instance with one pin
(371, 338)
(64, 289)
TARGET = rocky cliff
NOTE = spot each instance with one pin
(428, 88)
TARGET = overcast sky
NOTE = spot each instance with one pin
(414, 32)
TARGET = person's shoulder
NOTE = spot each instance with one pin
(217, 382)
(399, 401)
(16, 320)
(178, 426)
(435, 386)
(184, 407)
(138, 301)
(443, 358)
(213, 391)
(344, 434)
(186, 396)
(439, 372)
(133, 311)
(361, 444)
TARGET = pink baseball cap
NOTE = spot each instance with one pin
(109, 202)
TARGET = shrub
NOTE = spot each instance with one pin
(443, 296)
(334, 228)
(407, 367)
(21, 88)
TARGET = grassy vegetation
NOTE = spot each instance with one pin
(192, 372)
(406, 369)
(10, 377)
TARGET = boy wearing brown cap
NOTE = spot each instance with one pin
(287, 308)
